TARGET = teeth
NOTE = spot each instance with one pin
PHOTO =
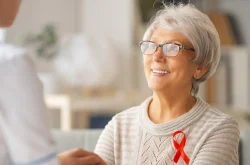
(159, 71)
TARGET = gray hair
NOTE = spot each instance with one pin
(200, 31)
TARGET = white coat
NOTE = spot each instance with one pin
(25, 138)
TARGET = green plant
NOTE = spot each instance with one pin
(45, 42)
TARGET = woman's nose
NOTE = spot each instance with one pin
(159, 56)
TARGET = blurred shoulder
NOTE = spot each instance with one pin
(10, 52)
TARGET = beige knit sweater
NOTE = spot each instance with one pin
(131, 138)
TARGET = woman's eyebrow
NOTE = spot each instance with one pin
(167, 41)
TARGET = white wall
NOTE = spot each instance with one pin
(111, 18)
(115, 20)
(34, 14)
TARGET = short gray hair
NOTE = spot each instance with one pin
(200, 31)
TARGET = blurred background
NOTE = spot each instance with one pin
(87, 56)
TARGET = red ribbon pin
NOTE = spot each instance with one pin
(180, 148)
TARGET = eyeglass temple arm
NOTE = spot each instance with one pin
(187, 48)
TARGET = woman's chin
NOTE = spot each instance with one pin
(157, 87)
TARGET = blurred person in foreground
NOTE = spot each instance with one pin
(181, 49)
(25, 138)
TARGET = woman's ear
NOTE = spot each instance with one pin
(200, 71)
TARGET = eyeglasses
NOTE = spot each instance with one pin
(169, 49)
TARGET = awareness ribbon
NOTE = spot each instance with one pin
(179, 148)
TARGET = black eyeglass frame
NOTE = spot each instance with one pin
(161, 46)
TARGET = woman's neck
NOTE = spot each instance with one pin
(165, 107)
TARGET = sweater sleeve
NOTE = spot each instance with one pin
(105, 144)
(23, 118)
(221, 147)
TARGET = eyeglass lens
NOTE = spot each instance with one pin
(149, 48)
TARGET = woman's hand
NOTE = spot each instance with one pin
(80, 157)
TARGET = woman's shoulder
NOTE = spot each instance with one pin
(129, 113)
(225, 118)
(213, 112)
(217, 118)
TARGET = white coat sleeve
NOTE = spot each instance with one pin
(23, 114)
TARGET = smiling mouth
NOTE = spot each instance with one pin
(160, 71)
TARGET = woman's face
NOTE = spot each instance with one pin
(180, 68)
(8, 12)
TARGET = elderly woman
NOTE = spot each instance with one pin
(181, 49)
